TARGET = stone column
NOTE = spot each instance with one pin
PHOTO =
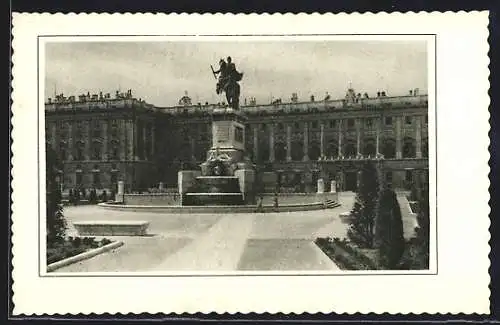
(306, 141)
(399, 153)
(322, 139)
(271, 142)
(377, 137)
(70, 141)
(135, 138)
(144, 141)
(122, 128)
(288, 143)
(88, 147)
(131, 143)
(53, 136)
(333, 186)
(358, 137)
(340, 137)
(321, 186)
(255, 142)
(192, 148)
(105, 140)
(418, 136)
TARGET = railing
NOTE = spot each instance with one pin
(99, 104)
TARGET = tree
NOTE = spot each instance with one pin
(422, 232)
(56, 224)
(361, 229)
(389, 230)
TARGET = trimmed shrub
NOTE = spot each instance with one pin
(56, 224)
(361, 229)
(105, 242)
(389, 230)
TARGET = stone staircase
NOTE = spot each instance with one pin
(330, 204)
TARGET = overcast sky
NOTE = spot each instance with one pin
(160, 72)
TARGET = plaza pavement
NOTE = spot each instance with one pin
(216, 242)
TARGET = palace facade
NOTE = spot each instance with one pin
(102, 139)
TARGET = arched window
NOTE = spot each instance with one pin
(96, 176)
(280, 151)
(115, 150)
(314, 151)
(369, 148)
(350, 149)
(332, 149)
(409, 148)
(389, 148)
(62, 151)
(80, 147)
(297, 151)
(97, 151)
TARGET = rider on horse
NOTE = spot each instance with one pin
(228, 81)
(228, 74)
(223, 77)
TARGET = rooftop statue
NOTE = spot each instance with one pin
(228, 81)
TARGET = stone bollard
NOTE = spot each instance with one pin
(321, 186)
(121, 191)
(333, 187)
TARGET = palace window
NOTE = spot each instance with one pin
(97, 154)
(333, 124)
(79, 150)
(388, 120)
(314, 124)
(79, 178)
(369, 122)
(96, 179)
(296, 125)
(62, 151)
(350, 123)
(115, 153)
(408, 120)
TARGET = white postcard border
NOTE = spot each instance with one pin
(462, 101)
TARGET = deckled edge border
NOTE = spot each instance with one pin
(264, 315)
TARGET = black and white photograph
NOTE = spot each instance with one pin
(303, 155)
(309, 163)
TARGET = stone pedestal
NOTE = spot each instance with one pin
(121, 192)
(246, 178)
(269, 181)
(333, 187)
(321, 186)
(186, 180)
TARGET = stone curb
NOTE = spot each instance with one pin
(83, 256)
(214, 209)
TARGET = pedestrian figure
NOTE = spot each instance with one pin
(275, 202)
(259, 204)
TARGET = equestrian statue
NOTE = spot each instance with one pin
(228, 81)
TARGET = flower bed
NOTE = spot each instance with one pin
(72, 246)
(346, 256)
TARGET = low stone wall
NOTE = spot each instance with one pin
(298, 198)
(153, 199)
(111, 228)
(213, 209)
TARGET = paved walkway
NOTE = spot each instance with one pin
(219, 249)
(216, 242)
